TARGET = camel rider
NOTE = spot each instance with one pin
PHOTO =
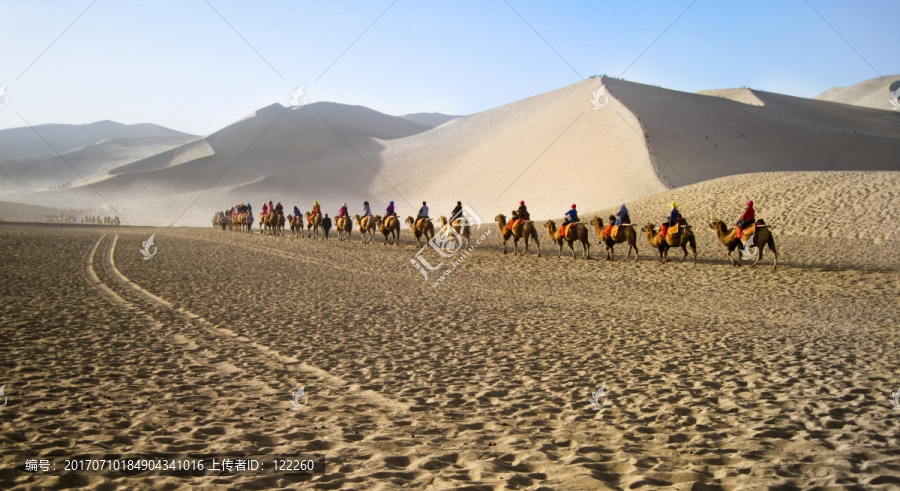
(279, 209)
(748, 218)
(265, 209)
(343, 211)
(423, 212)
(674, 218)
(366, 210)
(389, 212)
(522, 212)
(621, 217)
(296, 211)
(571, 216)
(316, 210)
(456, 214)
(271, 207)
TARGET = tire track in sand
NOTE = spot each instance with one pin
(267, 352)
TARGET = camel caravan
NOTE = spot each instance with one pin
(749, 237)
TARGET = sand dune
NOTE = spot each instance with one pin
(696, 138)
(874, 93)
(745, 96)
(28, 143)
(550, 150)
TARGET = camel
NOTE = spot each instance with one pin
(682, 238)
(423, 227)
(762, 238)
(297, 225)
(366, 226)
(312, 225)
(389, 226)
(576, 231)
(461, 230)
(344, 226)
(625, 233)
(247, 222)
(220, 221)
(278, 224)
(521, 230)
(262, 222)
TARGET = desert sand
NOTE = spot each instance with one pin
(715, 377)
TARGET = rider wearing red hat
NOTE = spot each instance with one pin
(748, 218)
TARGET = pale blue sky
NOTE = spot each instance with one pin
(178, 64)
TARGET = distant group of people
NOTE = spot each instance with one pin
(97, 220)
(61, 219)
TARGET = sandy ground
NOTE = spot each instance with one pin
(716, 377)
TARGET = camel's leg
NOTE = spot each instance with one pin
(693, 243)
(571, 248)
(770, 243)
(586, 244)
(683, 249)
(733, 262)
(559, 254)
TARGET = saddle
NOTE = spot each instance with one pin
(747, 232)
(673, 230)
(564, 228)
(420, 221)
(516, 226)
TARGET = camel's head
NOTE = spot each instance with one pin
(409, 220)
(715, 223)
(597, 222)
(551, 225)
(648, 227)
(500, 218)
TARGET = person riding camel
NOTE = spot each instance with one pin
(456, 214)
(271, 207)
(747, 219)
(316, 210)
(673, 219)
(389, 212)
(279, 210)
(423, 212)
(520, 215)
(571, 217)
(296, 211)
(343, 211)
(265, 209)
(366, 210)
(622, 216)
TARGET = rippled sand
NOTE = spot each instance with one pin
(717, 377)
